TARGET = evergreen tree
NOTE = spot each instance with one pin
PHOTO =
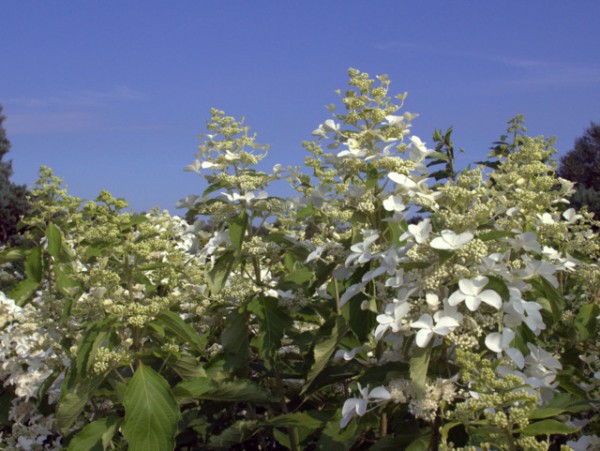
(13, 203)
(582, 166)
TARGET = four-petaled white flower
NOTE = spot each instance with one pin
(442, 327)
(472, 293)
(248, 197)
(358, 406)
(394, 203)
(392, 317)
(500, 342)
(420, 232)
(327, 127)
(449, 240)
(361, 252)
(571, 216)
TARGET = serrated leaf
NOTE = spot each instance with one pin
(54, 239)
(189, 390)
(300, 276)
(151, 412)
(561, 403)
(73, 402)
(235, 434)
(235, 341)
(586, 322)
(220, 271)
(96, 435)
(273, 321)
(173, 323)
(419, 363)
(239, 391)
(298, 419)
(237, 230)
(549, 427)
(214, 187)
(335, 330)
(23, 291)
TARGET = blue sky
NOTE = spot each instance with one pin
(112, 95)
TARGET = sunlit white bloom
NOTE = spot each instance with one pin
(420, 232)
(392, 317)
(420, 151)
(541, 364)
(449, 240)
(500, 342)
(571, 216)
(546, 219)
(348, 355)
(352, 152)
(526, 241)
(433, 300)
(231, 156)
(442, 327)
(327, 127)
(187, 202)
(394, 203)
(585, 443)
(394, 120)
(519, 311)
(219, 237)
(494, 264)
(472, 292)
(194, 167)
(540, 268)
(248, 197)
(358, 406)
(361, 252)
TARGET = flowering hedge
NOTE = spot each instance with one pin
(392, 303)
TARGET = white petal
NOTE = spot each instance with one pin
(423, 337)
(494, 342)
(492, 298)
(424, 322)
(379, 393)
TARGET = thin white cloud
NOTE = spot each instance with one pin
(49, 123)
(527, 72)
(76, 99)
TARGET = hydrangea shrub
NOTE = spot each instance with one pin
(393, 302)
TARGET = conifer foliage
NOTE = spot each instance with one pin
(13, 204)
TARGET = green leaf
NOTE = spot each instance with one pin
(326, 347)
(420, 444)
(372, 177)
(54, 239)
(173, 323)
(549, 427)
(96, 435)
(203, 388)
(561, 403)
(237, 230)
(212, 188)
(73, 402)
(34, 264)
(419, 363)
(309, 210)
(151, 412)
(235, 341)
(298, 419)
(586, 322)
(220, 271)
(235, 434)
(23, 291)
(300, 276)
(239, 391)
(190, 390)
(273, 321)
(187, 367)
